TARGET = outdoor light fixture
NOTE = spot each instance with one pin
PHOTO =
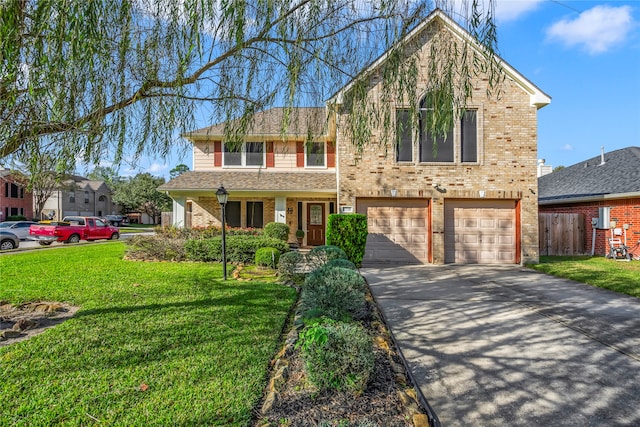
(223, 196)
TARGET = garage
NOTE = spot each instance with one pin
(481, 232)
(398, 230)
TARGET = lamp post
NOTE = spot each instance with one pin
(223, 196)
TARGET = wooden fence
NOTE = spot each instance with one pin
(561, 234)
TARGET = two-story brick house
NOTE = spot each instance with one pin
(15, 199)
(476, 201)
(79, 196)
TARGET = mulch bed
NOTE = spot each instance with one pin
(388, 401)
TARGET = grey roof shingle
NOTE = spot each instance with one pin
(302, 121)
(253, 181)
(618, 175)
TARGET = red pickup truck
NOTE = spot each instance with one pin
(72, 229)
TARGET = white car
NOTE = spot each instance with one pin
(19, 228)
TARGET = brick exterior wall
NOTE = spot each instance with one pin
(19, 205)
(623, 211)
(506, 167)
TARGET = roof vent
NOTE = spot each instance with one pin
(602, 156)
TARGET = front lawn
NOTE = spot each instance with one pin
(154, 343)
(618, 276)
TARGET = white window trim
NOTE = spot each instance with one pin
(243, 152)
(316, 166)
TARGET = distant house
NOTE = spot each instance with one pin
(14, 197)
(80, 196)
(473, 202)
(605, 189)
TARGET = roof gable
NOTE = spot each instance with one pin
(537, 97)
(619, 174)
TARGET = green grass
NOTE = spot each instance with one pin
(201, 345)
(618, 276)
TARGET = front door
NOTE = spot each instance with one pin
(315, 224)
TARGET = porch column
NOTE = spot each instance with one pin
(281, 210)
(179, 212)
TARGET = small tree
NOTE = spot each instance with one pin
(140, 194)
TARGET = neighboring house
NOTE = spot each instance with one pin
(14, 197)
(476, 202)
(81, 197)
(605, 188)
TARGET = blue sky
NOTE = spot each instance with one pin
(584, 54)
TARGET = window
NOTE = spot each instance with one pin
(245, 154)
(86, 197)
(469, 137)
(433, 148)
(72, 196)
(254, 215)
(232, 214)
(404, 137)
(14, 191)
(315, 154)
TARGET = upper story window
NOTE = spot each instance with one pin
(13, 191)
(72, 196)
(469, 137)
(404, 135)
(250, 154)
(86, 197)
(438, 148)
(315, 154)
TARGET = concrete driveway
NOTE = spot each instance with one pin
(508, 346)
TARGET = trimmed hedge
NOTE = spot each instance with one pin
(291, 267)
(320, 255)
(239, 248)
(267, 257)
(277, 230)
(335, 292)
(155, 247)
(338, 356)
(344, 263)
(349, 233)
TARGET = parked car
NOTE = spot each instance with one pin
(72, 229)
(115, 220)
(19, 228)
(8, 240)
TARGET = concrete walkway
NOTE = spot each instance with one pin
(507, 346)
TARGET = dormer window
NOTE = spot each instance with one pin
(247, 154)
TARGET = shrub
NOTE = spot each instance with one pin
(336, 292)
(277, 230)
(320, 255)
(339, 262)
(267, 257)
(337, 356)
(349, 233)
(156, 248)
(16, 218)
(239, 248)
(291, 267)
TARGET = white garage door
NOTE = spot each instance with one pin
(482, 232)
(397, 231)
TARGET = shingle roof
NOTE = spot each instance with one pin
(619, 174)
(302, 121)
(253, 181)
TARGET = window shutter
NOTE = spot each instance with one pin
(300, 154)
(270, 155)
(331, 154)
(217, 153)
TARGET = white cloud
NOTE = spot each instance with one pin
(595, 30)
(154, 168)
(567, 147)
(510, 10)
(505, 10)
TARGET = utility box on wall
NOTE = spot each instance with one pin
(604, 214)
